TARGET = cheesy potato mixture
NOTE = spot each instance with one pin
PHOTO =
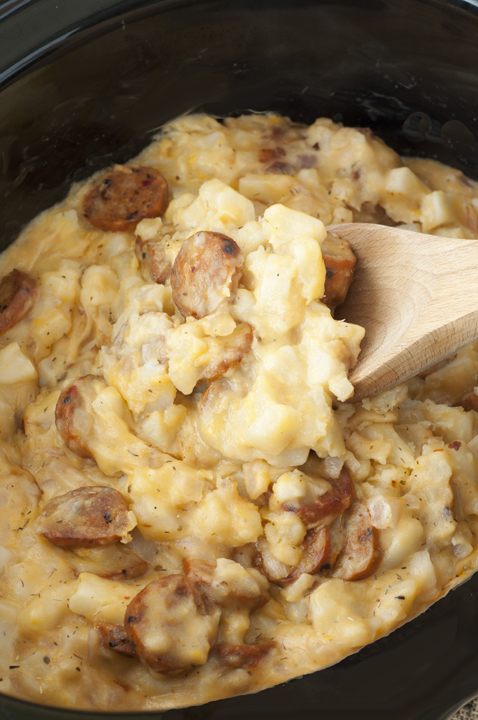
(191, 503)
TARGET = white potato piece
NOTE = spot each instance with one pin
(15, 367)
(101, 600)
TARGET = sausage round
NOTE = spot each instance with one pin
(321, 548)
(18, 293)
(324, 509)
(239, 596)
(153, 261)
(71, 414)
(243, 656)
(340, 263)
(86, 517)
(172, 623)
(360, 556)
(113, 637)
(206, 271)
(233, 349)
(469, 402)
(124, 196)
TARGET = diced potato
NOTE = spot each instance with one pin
(102, 600)
(160, 497)
(15, 367)
(337, 616)
(285, 533)
(224, 516)
(436, 211)
(47, 611)
(51, 326)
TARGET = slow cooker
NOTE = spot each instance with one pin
(83, 85)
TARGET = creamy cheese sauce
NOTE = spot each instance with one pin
(191, 505)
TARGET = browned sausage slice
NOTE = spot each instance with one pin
(18, 293)
(206, 271)
(124, 196)
(223, 594)
(200, 569)
(324, 509)
(71, 414)
(113, 637)
(339, 269)
(268, 155)
(243, 656)
(173, 623)
(153, 261)
(321, 549)
(212, 395)
(469, 402)
(315, 555)
(86, 517)
(113, 562)
(232, 350)
(360, 556)
(280, 168)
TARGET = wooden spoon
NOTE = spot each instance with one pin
(416, 296)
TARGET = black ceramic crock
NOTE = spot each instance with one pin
(84, 83)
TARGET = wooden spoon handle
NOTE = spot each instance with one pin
(417, 297)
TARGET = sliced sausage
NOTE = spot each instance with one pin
(264, 561)
(226, 594)
(243, 656)
(280, 168)
(469, 402)
(321, 549)
(124, 196)
(153, 261)
(206, 271)
(360, 556)
(113, 637)
(367, 132)
(86, 517)
(325, 508)
(72, 418)
(212, 396)
(268, 155)
(113, 562)
(18, 292)
(315, 556)
(233, 348)
(200, 569)
(335, 545)
(339, 269)
(173, 623)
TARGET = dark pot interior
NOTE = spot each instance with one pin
(88, 83)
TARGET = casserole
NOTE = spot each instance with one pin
(86, 124)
